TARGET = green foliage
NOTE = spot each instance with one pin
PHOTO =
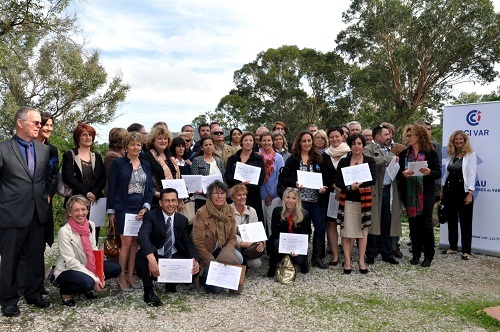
(408, 54)
(297, 86)
(42, 66)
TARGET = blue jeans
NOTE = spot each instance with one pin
(317, 213)
(76, 282)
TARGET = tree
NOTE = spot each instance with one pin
(409, 53)
(297, 86)
(43, 67)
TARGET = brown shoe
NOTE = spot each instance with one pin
(398, 253)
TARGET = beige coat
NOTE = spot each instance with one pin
(227, 151)
(205, 235)
(382, 160)
(71, 254)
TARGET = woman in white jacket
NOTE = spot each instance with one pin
(75, 271)
(458, 190)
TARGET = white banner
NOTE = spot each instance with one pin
(481, 122)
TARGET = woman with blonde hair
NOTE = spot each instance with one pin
(418, 192)
(320, 141)
(161, 160)
(289, 218)
(458, 191)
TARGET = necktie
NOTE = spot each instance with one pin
(167, 248)
(30, 159)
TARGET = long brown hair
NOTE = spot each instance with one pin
(314, 156)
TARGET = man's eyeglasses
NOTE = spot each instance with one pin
(36, 123)
(218, 133)
(187, 141)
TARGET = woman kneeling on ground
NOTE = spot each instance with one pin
(75, 271)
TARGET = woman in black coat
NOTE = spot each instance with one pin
(418, 192)
(246, 156)
(289, 218)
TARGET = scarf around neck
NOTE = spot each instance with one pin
(222, 219)
(268, 163)
(84, 232)
(166, 170)
(339, 151)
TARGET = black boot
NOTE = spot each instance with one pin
(316, 253)
(273, 264)
(304, 268)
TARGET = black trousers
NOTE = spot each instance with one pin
(455, 199)
(13, 242)
(422, 229)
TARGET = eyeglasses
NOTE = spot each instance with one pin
(409, 136)
(187, 140)
(218, 133)
(295, 190)
(85, 135)
(219, 193)
(36, 123)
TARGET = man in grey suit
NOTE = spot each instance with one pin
(24, 208)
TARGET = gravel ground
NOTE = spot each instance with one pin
(392, 298)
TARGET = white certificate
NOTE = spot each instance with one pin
(415, 167)
(98, 212)
(132, 226)
(244, 172)
(252, 232)
(208, 179)
(175, 270)
(357, 173)
(225, 276)
(333, 207)
(393, 168)
(177, 184)
(296, 243)
(310, 180)
(193, 183)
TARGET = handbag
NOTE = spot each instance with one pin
(285, 272)
(112, 244)
(63, 189)
(188, 211)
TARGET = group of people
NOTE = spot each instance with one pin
(131, 174)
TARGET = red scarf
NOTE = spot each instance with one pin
(289, 218)
(84, 232)
(268, 163)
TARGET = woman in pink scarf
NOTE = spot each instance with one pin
(75, 270)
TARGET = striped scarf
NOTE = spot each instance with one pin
(366, 207)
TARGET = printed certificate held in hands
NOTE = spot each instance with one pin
(310, 180)
(415, 167)
(252, 232)
(244, 172)
(132, 226)
(177, 184)
(175, 270)
(208, 179)
(225, 276)
(357, 173)
(193, 183)
(296, 243)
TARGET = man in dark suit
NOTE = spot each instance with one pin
(24, 209)
(155, 243)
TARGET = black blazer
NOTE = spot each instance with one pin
(429, 181)
(346, 162)
(152, 234)
(20, 193)
(279, 225)
(72, 174)
(288, 176)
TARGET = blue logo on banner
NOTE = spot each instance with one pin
(473, 117)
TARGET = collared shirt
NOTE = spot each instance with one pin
(385, 150)
(166, 216)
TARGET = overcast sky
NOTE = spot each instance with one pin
(179, 56)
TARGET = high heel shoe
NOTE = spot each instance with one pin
(363, 271)
(67, 302)
(333, 263)
(124, 289)
(319, 263)
(346, 271)
(134, 286)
